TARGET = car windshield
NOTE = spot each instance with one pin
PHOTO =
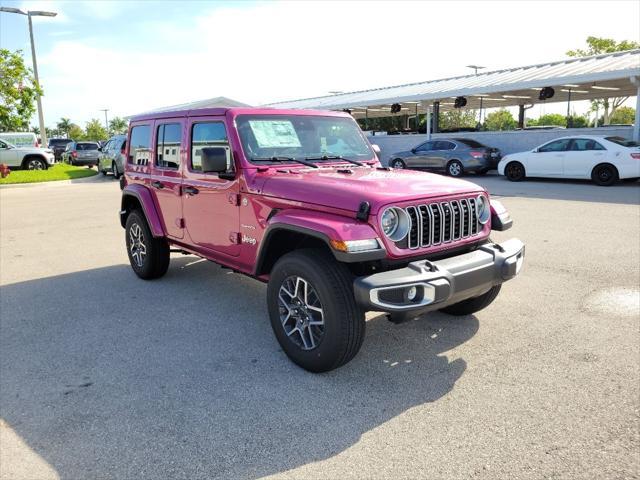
(470, 143)
(278, 138)
(87, 146)
(58, 142)
(623, 141)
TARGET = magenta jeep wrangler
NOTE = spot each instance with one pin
(299, 199)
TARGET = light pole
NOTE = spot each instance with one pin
(29, 14)
(475, 68)
(106, 122)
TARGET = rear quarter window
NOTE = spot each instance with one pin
(139, 150)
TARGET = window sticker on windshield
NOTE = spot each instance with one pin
(274, 133)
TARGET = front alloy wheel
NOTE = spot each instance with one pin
(397, 163)
(301, 312)
(35, 164)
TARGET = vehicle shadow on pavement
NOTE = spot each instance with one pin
(108, 376)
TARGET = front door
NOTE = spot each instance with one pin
(548, 160)
(210, 203)
(166, 175)
(421, 156)
(9, 155)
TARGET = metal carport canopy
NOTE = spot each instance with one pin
(583, 78)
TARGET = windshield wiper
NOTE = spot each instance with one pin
(336, 157)
(284, 159)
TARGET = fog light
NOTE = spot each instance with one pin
(411, 293)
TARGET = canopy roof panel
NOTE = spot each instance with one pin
(598, 76)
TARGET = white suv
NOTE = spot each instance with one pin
(30, 158)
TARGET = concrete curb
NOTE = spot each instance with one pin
(92, 178)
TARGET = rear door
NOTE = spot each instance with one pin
(165, 178)
(548, 160)
(444, 151)
(582, 155)
(210, 203)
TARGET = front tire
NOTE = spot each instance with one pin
(473, 305)
(398, 163)
(605, 175)
(148, 255)
(313, 311)
(34, 164)
(515, 172)
(454, 168)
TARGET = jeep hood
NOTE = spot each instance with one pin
(326, 186)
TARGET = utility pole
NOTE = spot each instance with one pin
(106, 122)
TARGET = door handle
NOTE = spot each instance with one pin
(156, 184)
(190, 190)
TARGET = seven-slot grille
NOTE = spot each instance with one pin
(442, 222)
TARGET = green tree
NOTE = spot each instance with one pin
(64, 125)
(457, 118)
(500, 120)
(118, 125)
(75, 132)
(95, 130)
(17, 92)
(551, 119)
(625, 115)
(596, 46)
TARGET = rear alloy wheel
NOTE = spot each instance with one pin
(605, 175)
(454, 168)
(114, 170)
(514, 171)
(313, 311)
(397, 163)
(35, 164)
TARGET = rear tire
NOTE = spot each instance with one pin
(515, 171)
(454, 168)
(604, 175)
(114, 170)
(148, 255)
(398, 163)
(473, 305)
(324, 328)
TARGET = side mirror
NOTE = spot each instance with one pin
(99, 149)
(375, 148)
(214, 160)
(413, 150)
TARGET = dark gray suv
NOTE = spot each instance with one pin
(455, 156)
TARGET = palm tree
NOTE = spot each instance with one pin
(118, 125)
(64, 125)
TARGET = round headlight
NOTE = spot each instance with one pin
(395, 223)
(483, 209)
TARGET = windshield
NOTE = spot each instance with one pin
(87, 146)
(280, 137)
(622, 141)
(55, 142)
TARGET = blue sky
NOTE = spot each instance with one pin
(133, 56)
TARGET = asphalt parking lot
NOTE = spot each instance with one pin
(103, 375)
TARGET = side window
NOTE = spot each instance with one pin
(583, 144)
(425, 147)
(555, 146)
(444, 145)
(209, 134)
(140, 143)
(168, 145)
(2, 144)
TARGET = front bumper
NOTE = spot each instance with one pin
(441, 283)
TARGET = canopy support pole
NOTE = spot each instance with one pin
(569, 119)
(428, 122)
(436, 117)
(521, 116)
(636, 125)
(366, 118)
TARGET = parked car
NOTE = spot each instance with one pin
(81, 153)
(298, 199)
(20, 139)
(604, 160)
(58, 145)
(455, 156)
(112, 156)
(30, 158)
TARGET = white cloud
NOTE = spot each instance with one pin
(277, 51)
